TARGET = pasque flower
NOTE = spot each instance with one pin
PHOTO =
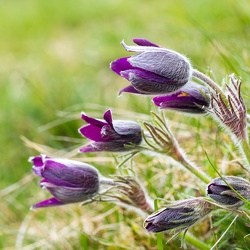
(220, 191)
(154, 70)
(191, 98)
(178, 216)
(67, 180)
(110, 135)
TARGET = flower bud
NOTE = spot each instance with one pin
(219, 190)
(154, 70)
(67, 180)
(178, 216)
(109, 135)
(191, 98)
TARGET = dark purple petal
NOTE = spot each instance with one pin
(108, 117)
(91, 132)
(69, 173)
(73, 194)
(93, 121)
(151, 87)
(48, 203)
(148, 76)
(37, 161)
(144, 42)
(180, 101)
(120, 64)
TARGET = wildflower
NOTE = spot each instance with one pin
(154, 70)
(179, 216)
(191, 98)
(220, 191)
(110, 135)
(67, 180)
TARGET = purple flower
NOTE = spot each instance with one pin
(67, 180)
(110, 135)
(179, 216)
(219, 190)
(154, 70)
(191, 98)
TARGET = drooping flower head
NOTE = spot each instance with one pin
(178, 216)
(110, 135)
(221, 192)
(67, 180)
(191, 98)
(154, 70)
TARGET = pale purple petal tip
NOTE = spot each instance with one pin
(144, 42)
(47, 203)
(87, 149)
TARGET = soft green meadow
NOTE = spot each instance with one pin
(54, 64)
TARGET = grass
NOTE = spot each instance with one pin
(54, 63)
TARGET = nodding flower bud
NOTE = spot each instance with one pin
(191, 98)
(178, 216)
(110, 135)
(220, 191)
(154, 70)
(67, 180)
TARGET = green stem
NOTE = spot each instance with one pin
(191, 167)
(246, 149)
(193, 241)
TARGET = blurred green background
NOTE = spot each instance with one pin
(54, 61)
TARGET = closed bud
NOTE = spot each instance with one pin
(220, 191)
(67, 180)
(178, 216)
(154, 70)
(110, 135)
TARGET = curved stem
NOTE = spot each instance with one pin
(191, 167)
(204, 78)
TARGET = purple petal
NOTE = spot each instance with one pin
(166, 63)
(68, 173)
(37, 170)
(149, 76)
(92, 132)
(93, 121)
(144, 42)
(108, 117)
(120, 64)
(48, 203)
(129, 89)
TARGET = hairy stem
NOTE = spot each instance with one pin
(191, 167)
(204, 78)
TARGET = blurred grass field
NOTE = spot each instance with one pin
(54, 63)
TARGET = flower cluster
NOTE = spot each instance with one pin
(169, 79)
